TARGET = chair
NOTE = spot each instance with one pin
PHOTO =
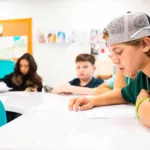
(3, 119)
(6, 67)
(103, 77)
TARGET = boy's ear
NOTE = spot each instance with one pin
(94, 67)
(146, 44)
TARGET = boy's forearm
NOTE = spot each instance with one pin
(73, 89)
(101, 90)
(65, 87)
(56, 91)
(113, 97)
(119, 81)
(80, 90)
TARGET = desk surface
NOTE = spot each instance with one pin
(22, 102)
(49, 125)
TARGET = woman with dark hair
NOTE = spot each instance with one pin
(25, 75)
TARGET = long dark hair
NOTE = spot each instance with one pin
(33, 78)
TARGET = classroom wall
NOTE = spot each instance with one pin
(56, 62)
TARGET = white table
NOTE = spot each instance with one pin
(49, 125)
(22, 102)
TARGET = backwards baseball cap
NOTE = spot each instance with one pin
(129, 27)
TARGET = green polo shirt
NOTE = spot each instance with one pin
(131, 91)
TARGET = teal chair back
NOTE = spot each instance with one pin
(6, 67)
(3, 119)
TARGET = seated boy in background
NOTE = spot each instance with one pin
(84, 84)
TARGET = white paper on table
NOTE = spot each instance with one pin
(111, 112)
(3, 87)
(59, 103)
(54, 102)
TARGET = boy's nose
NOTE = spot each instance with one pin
(115, 61)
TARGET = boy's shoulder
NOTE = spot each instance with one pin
(134, 88)
(75, 81)
(95, 82)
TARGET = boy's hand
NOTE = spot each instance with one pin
(62, 88)
(84, 103)
(29, 89)
(33, 89)
(67, 93)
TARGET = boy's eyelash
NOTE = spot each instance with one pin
(119, 52)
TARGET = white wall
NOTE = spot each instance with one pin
(56, 62)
